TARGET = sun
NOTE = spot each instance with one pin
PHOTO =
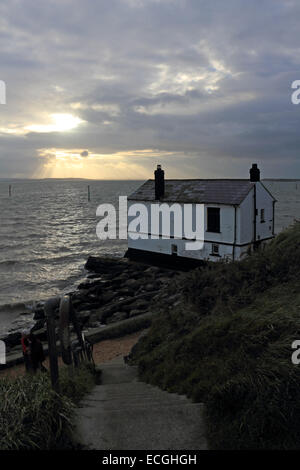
(65, 122)
(60, 123)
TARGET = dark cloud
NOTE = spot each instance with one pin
(203, 81)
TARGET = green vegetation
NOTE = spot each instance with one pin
(33, 416)
(230, 347)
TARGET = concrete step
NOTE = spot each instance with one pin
(157, 427)
(142, 401)
(136, 406)
(126, 414)
(131, 394)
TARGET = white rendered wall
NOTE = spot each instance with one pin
(164, 246)
(244, 229)
(245, 217)
(264, 201)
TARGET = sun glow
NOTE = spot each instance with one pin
(86, 163)
(60, 123)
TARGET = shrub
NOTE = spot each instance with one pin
(33, 416)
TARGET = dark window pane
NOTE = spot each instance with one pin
(213, 219)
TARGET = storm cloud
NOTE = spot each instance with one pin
(203, 88)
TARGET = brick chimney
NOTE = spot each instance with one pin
(254, 173)
(159, 176)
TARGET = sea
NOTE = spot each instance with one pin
(48, 230)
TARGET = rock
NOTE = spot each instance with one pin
(150, 287)
(141, 304)
(118, 316)
(132, 283)
(12, 339)
(41, 334)
(89, 284)
(16, 349)
(152, 270)
(87, 306)
(84, 316)
(105, 265)
(39, 324)
(126, 291)
(93, 318)
(39, 314)
(108, 297)
(135, 312)
(94, 324)
(94, 276)
(173, 298)
(126, 307)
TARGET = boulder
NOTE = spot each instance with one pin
(41, 334)
(12, 339)
(141, 304)
(135, 312)
(84, 316)
(133, 283)
(117, 316)
(108, 297)
(39, 314)
(38, 325)
(150, 287)
(105, 265)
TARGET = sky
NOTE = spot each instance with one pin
(108, 89)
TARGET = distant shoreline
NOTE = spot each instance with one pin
(286, 180)
(5, 180)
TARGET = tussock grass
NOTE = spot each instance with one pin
(231, 347)
(33, 416)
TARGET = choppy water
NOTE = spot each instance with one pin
(48, 229)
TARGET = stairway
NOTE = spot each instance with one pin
(125, 414)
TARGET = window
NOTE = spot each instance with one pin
(215, 249)
(262, 215)
(174, 249)
(213, 219)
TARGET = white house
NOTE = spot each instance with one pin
(238, 216)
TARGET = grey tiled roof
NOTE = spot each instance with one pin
(230, 191)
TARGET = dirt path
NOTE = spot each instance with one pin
(103, 352)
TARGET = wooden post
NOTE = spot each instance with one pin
(50, 307)
(89, 193)
(9, 190)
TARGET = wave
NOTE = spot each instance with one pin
(10, 262)
(18, 307)
(44, 260)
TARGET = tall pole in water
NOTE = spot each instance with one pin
(89, 193)
(9, 190)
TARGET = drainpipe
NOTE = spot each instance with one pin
(254, 220)
(234, 240)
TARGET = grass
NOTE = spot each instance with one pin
(33, 416)
(230, 347)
